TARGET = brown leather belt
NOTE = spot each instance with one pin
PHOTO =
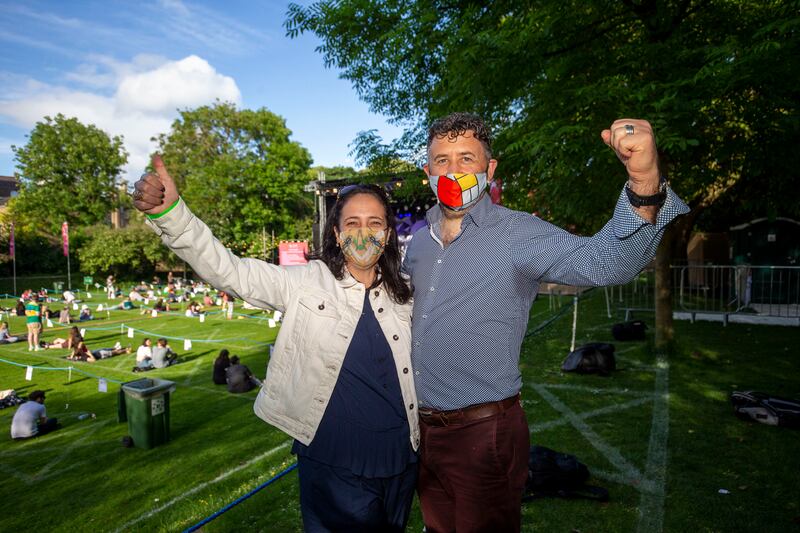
(466, 414)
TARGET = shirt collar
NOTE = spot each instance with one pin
(478, 213)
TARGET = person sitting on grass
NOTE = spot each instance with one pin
(221, 364)
(194, 309)
(208, 301)
(82, 353)
(5, 336)
(20, 307)
(144, 356)
(31, 420)
(161, 306)
(69, 296)
(163, 356)
(86, 314)
(239, 377)
(64, 317)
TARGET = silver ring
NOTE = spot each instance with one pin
(629, 129)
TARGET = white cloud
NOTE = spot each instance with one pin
(137, 100)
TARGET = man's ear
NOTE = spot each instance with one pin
(490, 170)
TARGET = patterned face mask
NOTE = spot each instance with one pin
(362, 246)
(458, 191)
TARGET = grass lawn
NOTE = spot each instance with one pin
(659, 434)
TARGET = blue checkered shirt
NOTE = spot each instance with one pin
(472, 299)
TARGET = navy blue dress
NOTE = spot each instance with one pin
(360, 469)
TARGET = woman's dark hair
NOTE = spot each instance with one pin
(389, 263)
(144, 341)
(235, 360)
(223, 355)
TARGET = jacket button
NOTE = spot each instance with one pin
(405, 371)
(377, 293)
(411, 407)
(321, 307)
(380, 309)
(396, 337)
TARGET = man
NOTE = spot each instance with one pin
(239, 377)
(476, 269)
(163, 356)
(33, 319)
(31, 420)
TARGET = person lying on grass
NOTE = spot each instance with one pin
(82, 353)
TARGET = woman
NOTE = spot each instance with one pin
(221, 363)
(144, 356)
(5, 336)
(339, 380)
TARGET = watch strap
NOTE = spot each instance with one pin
(656, 199)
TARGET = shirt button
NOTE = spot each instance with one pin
(417, 372)
(380, 309)
(416, 343)
(432, 289)
(396, 337)
(424, 316)
(405, 371)
(322, 306)
(438, 260)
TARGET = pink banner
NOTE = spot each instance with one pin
(292, 252)
(65, 238)
(11, 243)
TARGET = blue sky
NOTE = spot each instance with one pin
(127, 66)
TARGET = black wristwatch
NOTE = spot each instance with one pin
(656, 199)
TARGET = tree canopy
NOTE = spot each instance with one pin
(718, 79)
(67, 173)
(240, 171)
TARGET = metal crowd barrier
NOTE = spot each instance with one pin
(738, 293)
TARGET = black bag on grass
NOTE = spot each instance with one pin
(592, 358)
(556, 474)
(766, 409)
(629, 331)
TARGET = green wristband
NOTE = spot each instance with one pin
(164, 212)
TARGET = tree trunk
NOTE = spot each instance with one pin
(663, 295)
(673, 244)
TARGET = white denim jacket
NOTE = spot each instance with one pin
(320, 314)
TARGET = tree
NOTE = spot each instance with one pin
(241, 173)
(130, 252)
(717, 78)
(68, 172)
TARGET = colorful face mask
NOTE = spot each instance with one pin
(458, 191)
(362, 246)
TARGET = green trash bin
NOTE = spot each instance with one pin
(147, 410)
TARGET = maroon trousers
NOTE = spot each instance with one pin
(472, 475)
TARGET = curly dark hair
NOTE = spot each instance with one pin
(389, 263)
(456, 124)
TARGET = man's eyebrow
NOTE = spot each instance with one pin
(463, 152)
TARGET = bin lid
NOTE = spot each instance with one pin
(148, 387)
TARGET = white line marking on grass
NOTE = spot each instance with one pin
(651, 504)
(643, 485)
(68, 449)
(612, 454)
(201, 486)
(593, 390)
(536, 428)
(22, 476)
